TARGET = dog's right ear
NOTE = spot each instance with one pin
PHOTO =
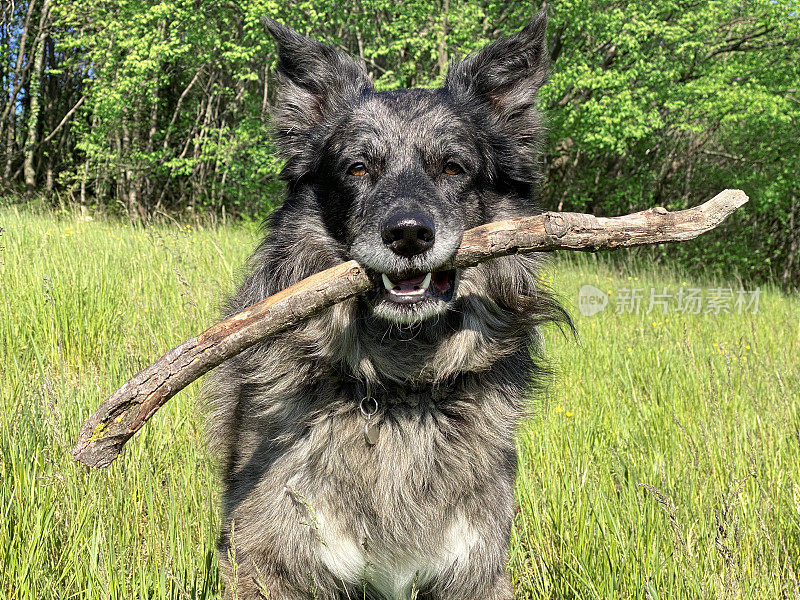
(316, 80)
(505, 75)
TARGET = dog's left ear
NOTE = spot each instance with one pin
(505, 74)
(315, 81)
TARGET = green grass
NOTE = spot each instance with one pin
(662, 461)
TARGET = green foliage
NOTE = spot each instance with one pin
(176, 114)
(668, 104)
(665, 102)
(702, 408)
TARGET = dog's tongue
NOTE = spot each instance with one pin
(441, 281)
(409, 285)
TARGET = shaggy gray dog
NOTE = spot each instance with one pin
(370, 452)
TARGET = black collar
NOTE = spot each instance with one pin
(410, 394)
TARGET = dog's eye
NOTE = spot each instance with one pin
(452, 168)
(358, 170)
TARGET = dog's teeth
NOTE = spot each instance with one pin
(387, 283)
(426, 282)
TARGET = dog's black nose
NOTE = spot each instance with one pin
(408, 234)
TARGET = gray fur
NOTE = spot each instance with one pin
(310, 509)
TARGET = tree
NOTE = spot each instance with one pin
(164, 105)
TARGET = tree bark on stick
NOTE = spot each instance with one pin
(104, 434)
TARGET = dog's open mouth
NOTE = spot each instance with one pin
(405, 289)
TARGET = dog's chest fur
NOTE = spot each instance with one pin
(394, 514)
(398, 514)
(355, 556)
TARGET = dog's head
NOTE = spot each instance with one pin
(397, 177)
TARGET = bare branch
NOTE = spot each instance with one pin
(178, 104)
(64, 120)
(103, 436)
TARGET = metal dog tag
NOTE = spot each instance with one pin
(368, 408)
(371, 433)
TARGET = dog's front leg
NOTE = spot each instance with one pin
(479, 555)
(474, 581)
(250, 575)
(251, 584)
(274, 557)
(251, 578)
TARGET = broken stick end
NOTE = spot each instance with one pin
(98, 451)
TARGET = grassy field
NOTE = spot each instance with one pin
(661, 461)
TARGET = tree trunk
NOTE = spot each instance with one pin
(794, 235)
(442, 54)
(17, 77)
(31, 141)
(84, 179)
(10, 145)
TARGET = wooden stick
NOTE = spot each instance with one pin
(104, 434)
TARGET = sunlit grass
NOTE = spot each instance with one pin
(85, 305)
(661, 461)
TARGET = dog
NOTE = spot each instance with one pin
(369, 453)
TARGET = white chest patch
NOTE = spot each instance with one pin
(391, 571)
